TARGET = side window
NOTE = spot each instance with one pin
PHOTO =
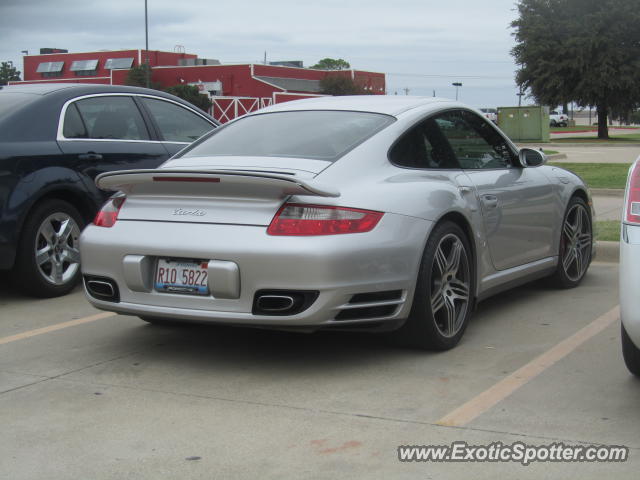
(108, 117)
(475, 143)
(423, 146)
(73, 124)
(177, 124)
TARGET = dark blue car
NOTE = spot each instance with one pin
(54, 140)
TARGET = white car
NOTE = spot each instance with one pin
(558, 119)
(490, 114)
(630, 271)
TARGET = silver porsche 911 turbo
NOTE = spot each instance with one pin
(382, 213)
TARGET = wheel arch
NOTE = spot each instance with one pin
(80, 201)
(581, 193)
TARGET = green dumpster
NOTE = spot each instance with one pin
(525, 124)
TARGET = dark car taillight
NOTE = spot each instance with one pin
(108, 214)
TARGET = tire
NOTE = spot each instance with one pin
(631, 353)
(553, 123)
(576, 241)
(443, 299)
(48, 259)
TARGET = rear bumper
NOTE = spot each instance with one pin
(337, 267)
(629, 281)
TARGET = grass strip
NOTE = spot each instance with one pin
(607, 230)
(598, 175)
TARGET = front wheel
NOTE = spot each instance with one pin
(443, 298)
(48, 257)
(576, 240)
(631, 353)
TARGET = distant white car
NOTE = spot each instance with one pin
(490, 114)
(630, 271)
(558, 119)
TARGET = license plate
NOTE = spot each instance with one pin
(182, 276)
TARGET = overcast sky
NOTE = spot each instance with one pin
(422, 45)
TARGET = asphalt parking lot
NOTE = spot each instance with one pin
(99, 396)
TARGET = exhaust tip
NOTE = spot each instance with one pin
(275, 303)
(282, 302)
(102, 288)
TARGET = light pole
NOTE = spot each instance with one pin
(146, 45)
(520, 95)
(457, 85)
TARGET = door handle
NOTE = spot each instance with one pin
(490, 201)
(90, 156)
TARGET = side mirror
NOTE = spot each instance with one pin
(530, 157)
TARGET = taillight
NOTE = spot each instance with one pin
(108, 214)
(633, 195)
(301, 220)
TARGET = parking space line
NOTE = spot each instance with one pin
(505, 387)
(53, 328)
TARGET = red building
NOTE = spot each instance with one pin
(234, 89)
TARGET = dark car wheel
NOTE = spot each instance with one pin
(631, 353)
(443, 298)
(576, 241)
(48, 257)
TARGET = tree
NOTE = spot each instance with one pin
(8, 73)
(332, 64)
(191, 94)
(137, 77)
(340, 85)
(585, 51)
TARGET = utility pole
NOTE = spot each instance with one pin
(146, 45)
(457, 85)
(520, 94)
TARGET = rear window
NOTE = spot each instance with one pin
(323, 135)
(10, 102)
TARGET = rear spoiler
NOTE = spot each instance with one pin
(211, 182)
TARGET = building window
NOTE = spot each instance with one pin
(84, 68)
(50, 69)
(85, 73)
(113, 63)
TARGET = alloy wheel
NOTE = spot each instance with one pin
(450, 285)
(576, 242)
(56, 248)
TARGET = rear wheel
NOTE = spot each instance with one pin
(48, 257)
(631, 353)
(444, 292)
(576, 241)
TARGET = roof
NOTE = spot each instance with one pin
(293, 84)
(385, 104)
(77, 89)
(37, 88)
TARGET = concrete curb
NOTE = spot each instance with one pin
(556, 156)
(607, 192)
(607, 252)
